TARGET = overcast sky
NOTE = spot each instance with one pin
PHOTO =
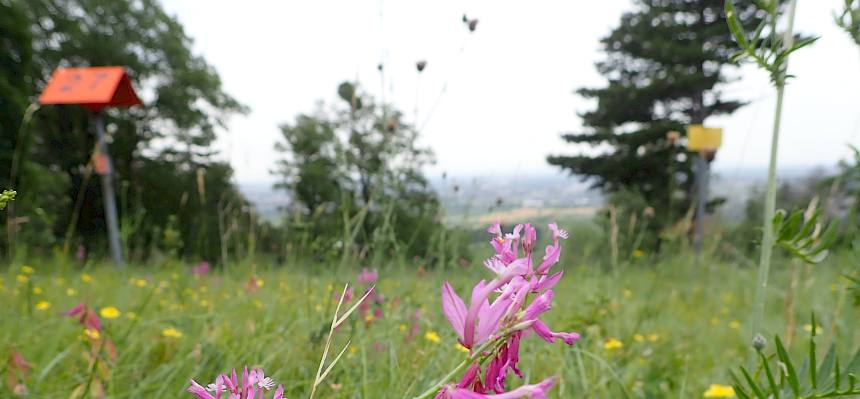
(510, 84)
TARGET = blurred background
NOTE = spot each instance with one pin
(370, 128)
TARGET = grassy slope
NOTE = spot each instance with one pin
(685, 316)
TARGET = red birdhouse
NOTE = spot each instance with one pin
(95, 88)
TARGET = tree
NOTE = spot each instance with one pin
(361, 160)
(665, 63)
(166, 142)
(849, 19)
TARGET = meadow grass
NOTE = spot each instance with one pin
(653, 329)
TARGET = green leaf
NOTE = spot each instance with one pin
(791, 374)
(826, 370)
(735, 26)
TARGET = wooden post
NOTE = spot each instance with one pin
(108, 196)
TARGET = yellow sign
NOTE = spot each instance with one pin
(701, 138)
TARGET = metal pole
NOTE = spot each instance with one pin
(108, 194)
(701, 199)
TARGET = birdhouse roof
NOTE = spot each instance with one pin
(94, 88)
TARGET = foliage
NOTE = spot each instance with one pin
(665, 64)
(800, 233)
(167, 141)
(6, 197)
(766, 46)
(355, 177)
(677, 325)
(812, 380)
(849, 19)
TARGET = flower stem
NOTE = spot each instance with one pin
(770, 197)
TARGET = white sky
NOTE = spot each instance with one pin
(510, 89)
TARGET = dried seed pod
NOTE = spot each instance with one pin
(473, 24)
(420, 65)
(391, 124)
(672, 137)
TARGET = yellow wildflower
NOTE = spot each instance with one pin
(808, 328)
(86, 278)
(612, 343)
(720, 391)
(92, 333)
(653, 337)
(402, 327)
(71, 292)
(627, 293)
(37, 291)
(171, 332)
(734, 324)
(27, 270)
(638, 253)
(139, 282)
(370, 317)
(110, 312)
(22, 278)
(433, 337)
(639, 338)
(43, 305)
(204, 303)
(260, 283)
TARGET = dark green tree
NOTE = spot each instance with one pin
(159, 149)
(361, 160)
(664, 63)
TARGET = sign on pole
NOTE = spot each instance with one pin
(704, 141)
(96, 88)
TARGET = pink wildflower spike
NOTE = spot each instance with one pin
(198, 390)
(367, 276)
(201, 269)
(542, 330)
(279, 393)
(76, 310)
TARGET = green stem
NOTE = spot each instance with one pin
(770, 198)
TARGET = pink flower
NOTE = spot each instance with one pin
(85, 316)
(367, 276)
(252, 385)
(499, 314)
(201, 269)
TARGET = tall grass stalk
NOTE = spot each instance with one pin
(770, 196)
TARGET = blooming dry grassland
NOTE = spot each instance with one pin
(662, 330)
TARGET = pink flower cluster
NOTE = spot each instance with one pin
(251, 386)
(492, 328)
